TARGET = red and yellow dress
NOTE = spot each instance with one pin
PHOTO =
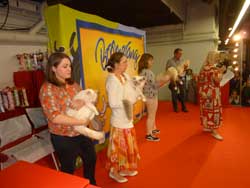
(122, 153)
(210, 98)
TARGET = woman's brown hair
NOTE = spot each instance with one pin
(53, 61)
(115, 58)
(143, 62)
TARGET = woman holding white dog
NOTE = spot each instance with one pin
(56, 96)
(150, 90)
(210, 95)
(122, 153)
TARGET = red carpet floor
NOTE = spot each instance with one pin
(187, 157)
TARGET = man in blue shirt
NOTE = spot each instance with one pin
(177, 88)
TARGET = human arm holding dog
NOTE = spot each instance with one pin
(77, 104)
(115, 95)
(151, 86)
(55, 109)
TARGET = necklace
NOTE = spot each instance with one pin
(121, 78)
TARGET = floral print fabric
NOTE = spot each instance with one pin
(122, 151)
(55, 100)
(210, 98)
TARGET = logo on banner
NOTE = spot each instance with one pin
(103, 51)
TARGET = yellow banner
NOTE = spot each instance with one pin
(96, 46)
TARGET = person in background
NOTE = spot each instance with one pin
(150, 90)
(177, 89)
(122, 153)
(246, 94)
(210, 95)
(245, 72)
(234, 98)
(56, 96)
(188, 77)
(235, 83)
(191, 91)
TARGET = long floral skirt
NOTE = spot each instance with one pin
(122, 151)
(211, 110)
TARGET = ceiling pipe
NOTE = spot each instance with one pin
(24, 38)
(36, 28)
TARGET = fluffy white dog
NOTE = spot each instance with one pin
(88, 111)
(132, 93)
(170, 74)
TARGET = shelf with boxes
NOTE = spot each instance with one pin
(23, 126)
(24, 94)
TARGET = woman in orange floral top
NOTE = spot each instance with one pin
(56, 96)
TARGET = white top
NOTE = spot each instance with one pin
(114, 90)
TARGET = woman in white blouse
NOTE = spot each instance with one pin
(122, 151)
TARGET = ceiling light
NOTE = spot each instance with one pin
(226, 41)
(230, 28)
(235, 55)
(242, 12)
(236, 50)
(235, 62)
(236, 68)
(236, 44)
(236, 37)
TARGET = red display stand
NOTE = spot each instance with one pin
(31, 81)
(12, 113)
(29, 175)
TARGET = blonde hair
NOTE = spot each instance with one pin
(212, 58)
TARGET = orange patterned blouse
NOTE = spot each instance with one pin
(55, 100)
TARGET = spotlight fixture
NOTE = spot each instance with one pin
(236, 50)
(236, 37)
(236, 68)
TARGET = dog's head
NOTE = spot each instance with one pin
(88, 95)
(173, 73)
(139, 81)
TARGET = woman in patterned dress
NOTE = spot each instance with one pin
(122, 150)
(210, 95)
(150, 90)
(56, 96)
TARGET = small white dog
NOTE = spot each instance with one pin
(88, 111)
(132, 93)
(170, 74)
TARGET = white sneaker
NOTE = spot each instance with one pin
(207, 130)
(131, 173)
(119, 180)
(217, 136)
